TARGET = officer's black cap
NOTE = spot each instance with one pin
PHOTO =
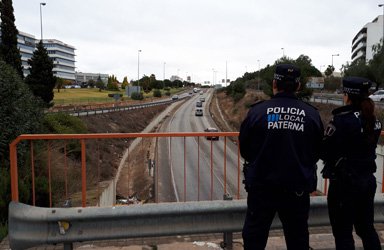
(287, 72)
(354, 85)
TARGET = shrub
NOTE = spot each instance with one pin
(157, 93)
(137, 96)
(168, 93)
(63, 123)
(3, 230)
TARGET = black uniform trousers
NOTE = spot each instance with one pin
(292, 209)
(351, 203)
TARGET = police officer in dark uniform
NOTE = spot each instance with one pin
(280, 140)
(349, 156)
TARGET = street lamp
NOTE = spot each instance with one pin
(138, 67)
(164, 71)
(382, 5)
(332, 58)
(41, 21)
(283, 51)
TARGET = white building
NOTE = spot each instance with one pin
(85, 77)
(368, 36)
(26, 44)
(175, 78)
(63, 56)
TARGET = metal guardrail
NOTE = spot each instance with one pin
(31, 226)
(102, 110)
(88, 112)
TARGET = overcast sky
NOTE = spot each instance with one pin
(197, 37)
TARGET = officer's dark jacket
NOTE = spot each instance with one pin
(346, 146)
(281, 138)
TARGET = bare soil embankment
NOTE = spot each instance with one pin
(104, 156)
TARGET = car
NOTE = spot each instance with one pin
(212, 137)
(378, 96)
(175, 97)
(199, 112)
(202, 99)
(199, 104)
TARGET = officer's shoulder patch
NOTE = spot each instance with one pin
(258, 102)
(330, 129)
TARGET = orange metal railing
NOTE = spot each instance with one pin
(84, 138)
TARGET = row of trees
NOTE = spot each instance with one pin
(373, 70)
(263, 79)
(148, 83)
(22, 102)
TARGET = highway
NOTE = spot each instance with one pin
(187, 169)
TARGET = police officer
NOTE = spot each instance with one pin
(280, 139)
(349, 156)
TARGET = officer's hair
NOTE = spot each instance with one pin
(367, 107)
(287, 86)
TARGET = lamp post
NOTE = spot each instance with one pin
(332, 58)
(283, 52)
(138, 67)
(41, 21)
(164, 71)
(382, 5)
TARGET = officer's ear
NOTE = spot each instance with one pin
(298, 86)
(274, 87)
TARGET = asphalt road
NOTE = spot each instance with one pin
(188, 171)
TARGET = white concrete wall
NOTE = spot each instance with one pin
(108, 194)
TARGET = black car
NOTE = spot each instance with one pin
(212, 137)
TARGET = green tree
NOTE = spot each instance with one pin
(20, 113)
(329, 71)
(41, 79)
(145, 84)
(113, 86)
(91, 83)
(100, 84)
(125, 83)
(250, 80)
(9, 51)
(59, 83)
(376, 65)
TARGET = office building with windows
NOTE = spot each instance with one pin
(26, 44)
(369, 36)
(86, 77)
(63, 56)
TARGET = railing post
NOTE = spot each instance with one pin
(13, 171)
(83, 175)
(227, 236)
